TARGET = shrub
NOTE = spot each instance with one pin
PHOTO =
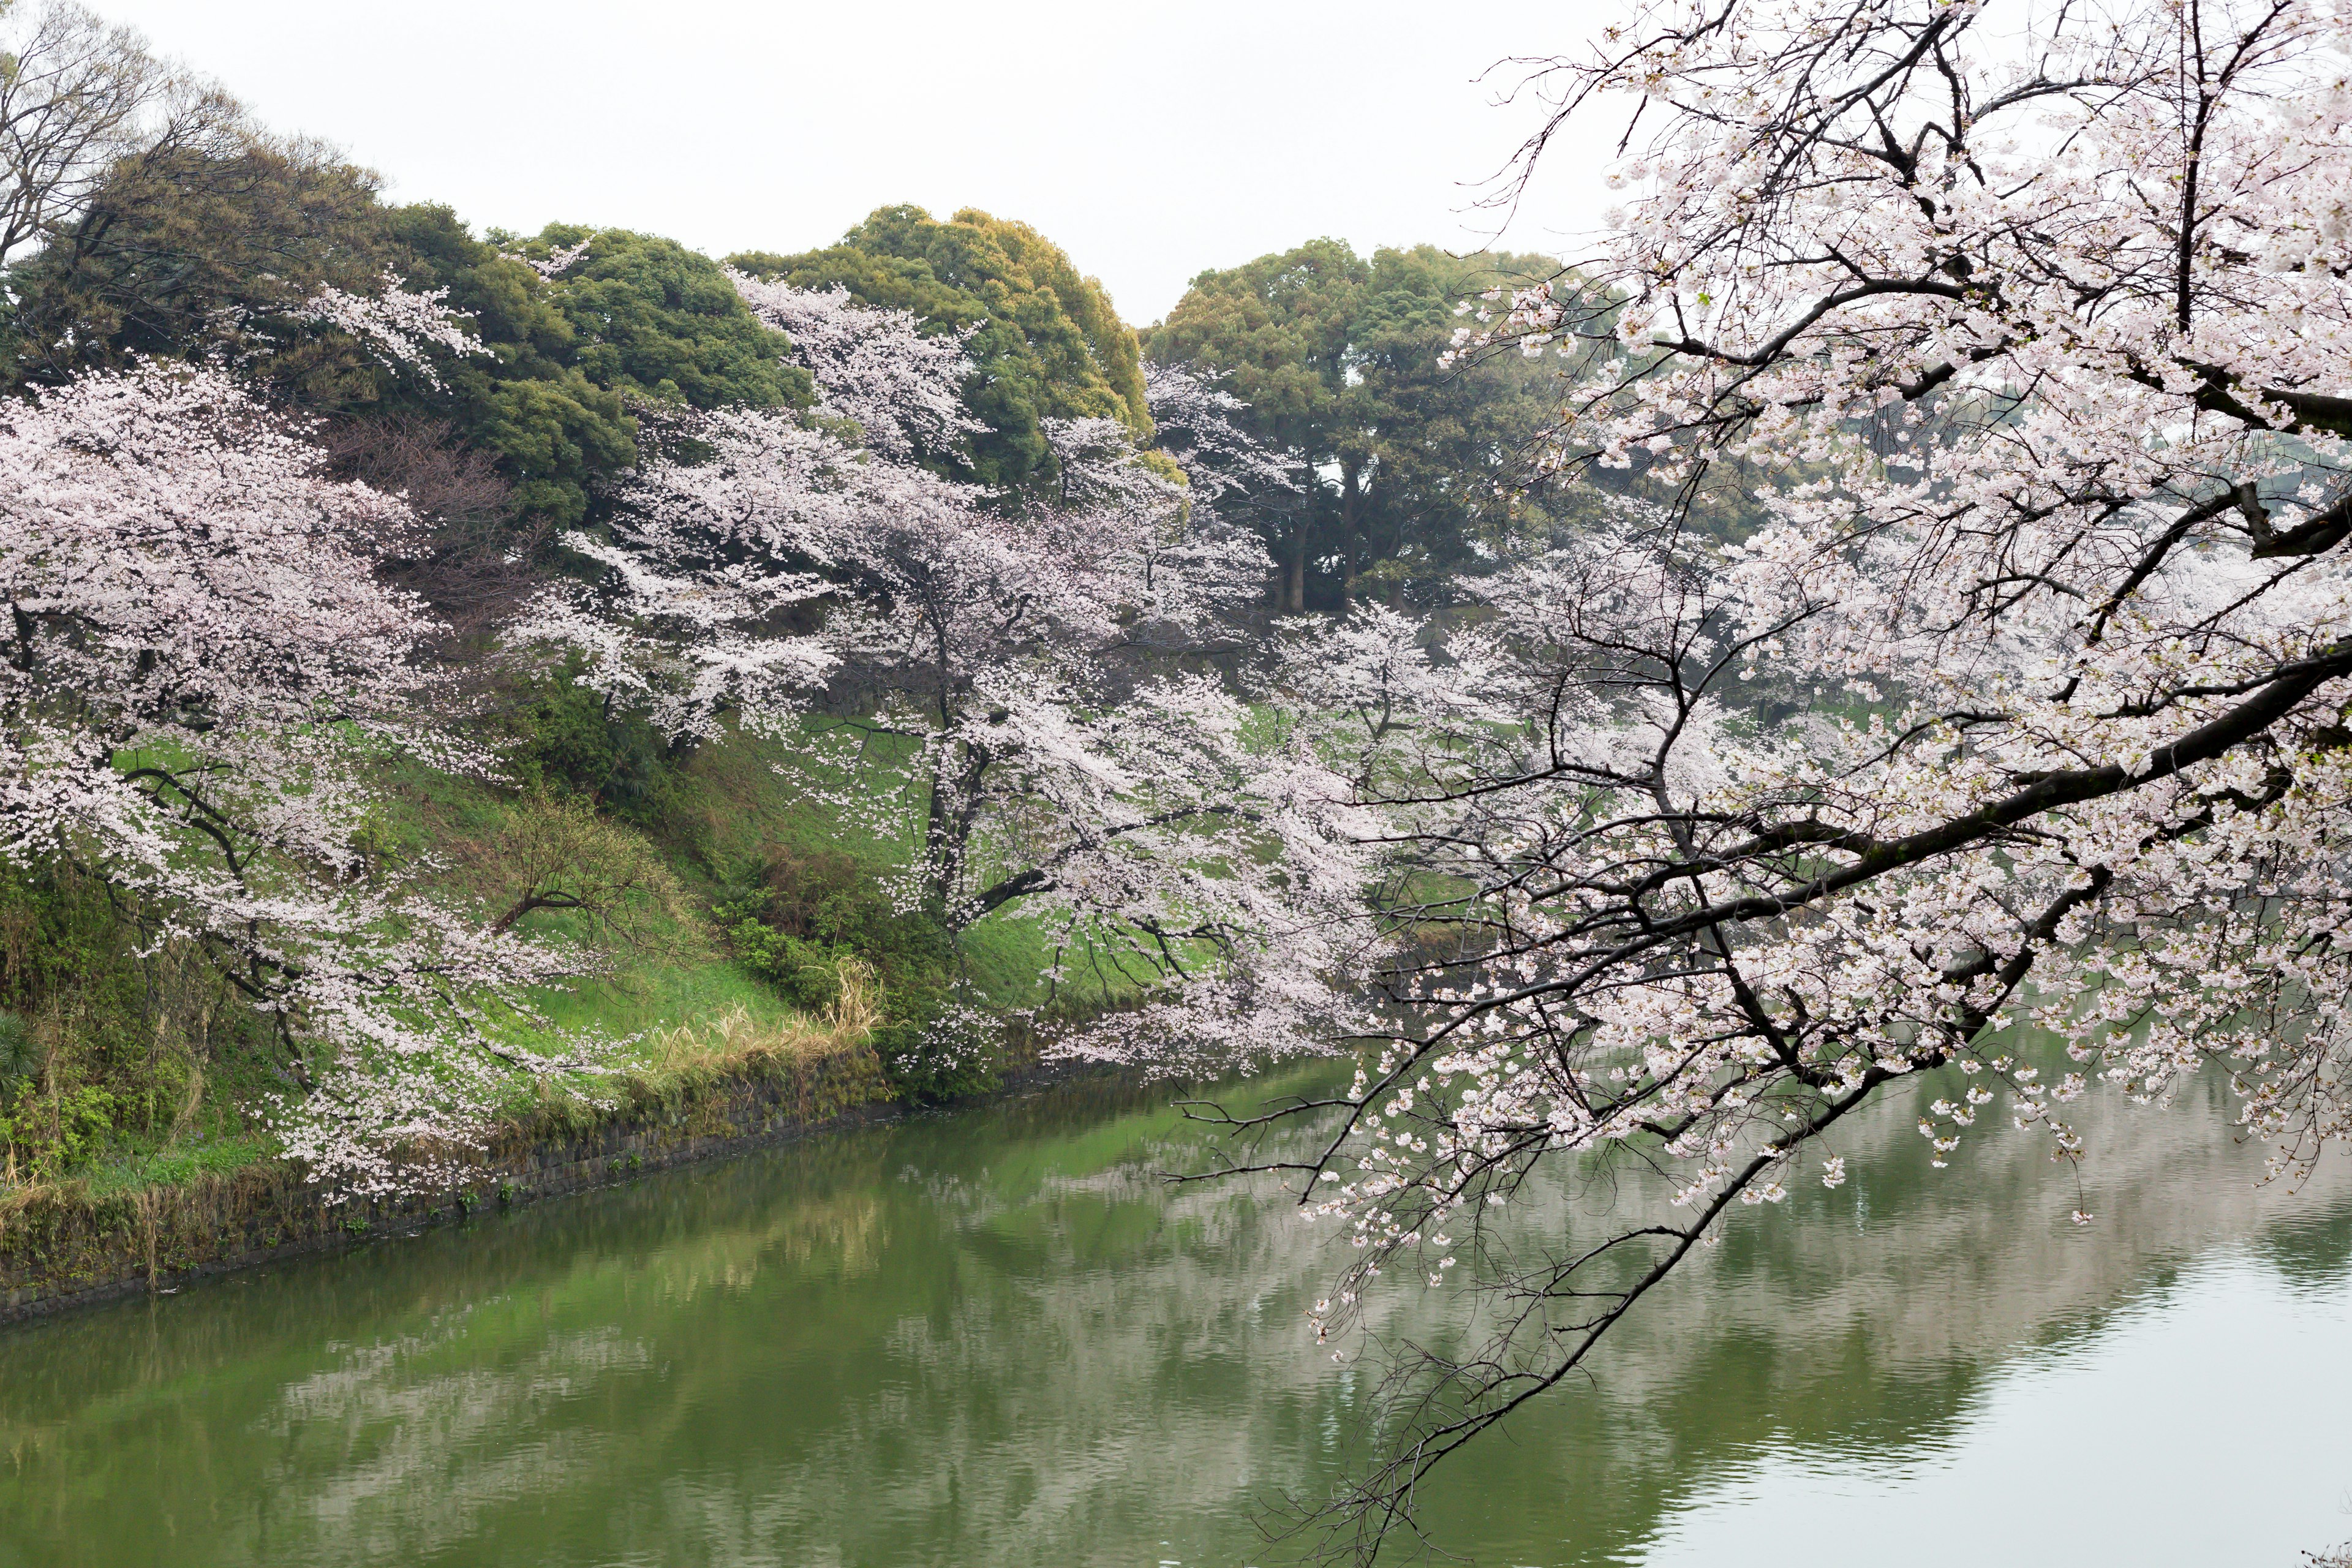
(558, 855)
(826, 906)
(20, 1058)
(573, 742)
(949, 1050)
(800, 918)
(106, 1026)
(807, 973)
(47, 1135)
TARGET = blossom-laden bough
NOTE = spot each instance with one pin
(2023, 715)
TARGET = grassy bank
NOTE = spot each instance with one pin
(709, 1087)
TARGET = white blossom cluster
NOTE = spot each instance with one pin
(902, 388)
(401, 328)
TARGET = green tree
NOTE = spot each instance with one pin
(1339, 360)
(653, 319)
(527, 402)
(633, 317)
(204, 250)
(1045, 340)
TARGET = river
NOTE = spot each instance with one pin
(996, 1337)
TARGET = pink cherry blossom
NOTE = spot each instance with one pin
(984, 676)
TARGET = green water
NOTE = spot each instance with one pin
(996, 1337)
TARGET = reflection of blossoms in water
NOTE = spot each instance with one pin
(424, 1426)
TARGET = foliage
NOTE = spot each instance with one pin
(57, 1130)
(1043, 341)
(85, 103)
(577, 325)
(654, 321)
(211, 252)
(822, 906)
(218, 249)
(806, 974)
(20, 1056)
(214, 242)
(113, 1030)
(1338, 360)
(575, 738)
(2055, 333)
(527, 400)
(819, 927)
(557, 855)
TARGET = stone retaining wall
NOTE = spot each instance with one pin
(60, 1248)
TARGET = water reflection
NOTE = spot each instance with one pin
(2182, 1454)
(998, 1338)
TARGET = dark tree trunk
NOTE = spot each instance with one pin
(1351, 512)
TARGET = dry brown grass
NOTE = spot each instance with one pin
(694, 1069)
(735, 1040)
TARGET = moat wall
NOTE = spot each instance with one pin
(61, 1247)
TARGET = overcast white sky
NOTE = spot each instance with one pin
(1151, 141)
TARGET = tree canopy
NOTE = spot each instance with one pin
(209, 247)
(631, 317)
(653, 319)
(1045, 342)
(1340, 360)
(554, 429)
(203, 250)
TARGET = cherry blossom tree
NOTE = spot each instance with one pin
(1198, 425)
(202, 674)
(702, 559)
(2013, 742)
(984, 678)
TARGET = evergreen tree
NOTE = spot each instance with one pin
(1343, 361)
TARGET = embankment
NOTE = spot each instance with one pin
(63, 1246)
